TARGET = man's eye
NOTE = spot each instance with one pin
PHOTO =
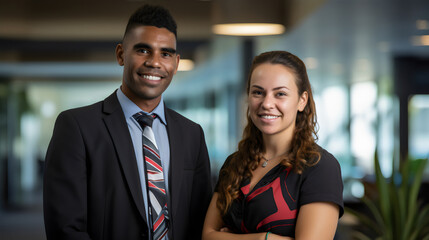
(142, 51)
(166, 54)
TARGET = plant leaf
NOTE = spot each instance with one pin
(400, 205)
(376, 214)
(384, 198)
(415, 185)
(365, 220)
(360, 236)
(422, 222)
(412, 198)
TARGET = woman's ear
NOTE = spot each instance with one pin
(302, 101)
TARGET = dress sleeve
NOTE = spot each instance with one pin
(323, 182)
(216, 189)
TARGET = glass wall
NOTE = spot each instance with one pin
(348, 47)
(349, 64)
(418, 111)
(349, 61)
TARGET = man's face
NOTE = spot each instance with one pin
(149, 57)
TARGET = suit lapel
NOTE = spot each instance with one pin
(176, 159)
(117, 126)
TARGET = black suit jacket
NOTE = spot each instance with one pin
(91, 184)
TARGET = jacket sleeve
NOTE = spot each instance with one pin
(65, 178)
(201, 190)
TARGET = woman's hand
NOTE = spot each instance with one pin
(214, 228)
(272, 236)
(225, 229)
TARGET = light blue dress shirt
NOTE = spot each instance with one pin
(160, 131)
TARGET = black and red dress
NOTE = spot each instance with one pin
(274, 202)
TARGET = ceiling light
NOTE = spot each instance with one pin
(248, 17)
(424, 40)
(422, 24)
(420, 40)
(185, 65)
(248, 29)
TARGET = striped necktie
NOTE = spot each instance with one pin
(158, 212)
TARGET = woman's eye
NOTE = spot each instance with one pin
(256, 92)
(281, 94)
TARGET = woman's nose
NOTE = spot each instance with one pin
(267, 102)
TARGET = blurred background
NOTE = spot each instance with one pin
(368, 62)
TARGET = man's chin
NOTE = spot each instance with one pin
(149, 96)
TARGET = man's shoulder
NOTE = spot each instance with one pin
(96, 108)
(84, 110)
(173, 116)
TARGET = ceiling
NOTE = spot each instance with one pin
(105, 20)
(337, 32)
(81, 30)
(93, 20)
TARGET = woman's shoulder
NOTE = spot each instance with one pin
(327, 161)
(228, 160)
(326, 157)
(323, 181)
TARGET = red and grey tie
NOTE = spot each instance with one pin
(158, 212)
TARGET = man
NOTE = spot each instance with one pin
(96, 184)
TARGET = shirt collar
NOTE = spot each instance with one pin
(130, 108)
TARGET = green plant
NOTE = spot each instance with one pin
(396, 212)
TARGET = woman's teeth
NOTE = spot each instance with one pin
(269, 116)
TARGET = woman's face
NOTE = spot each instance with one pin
(274, 100)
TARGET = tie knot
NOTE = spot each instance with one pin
(144, 119)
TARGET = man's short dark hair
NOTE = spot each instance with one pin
(150, 15)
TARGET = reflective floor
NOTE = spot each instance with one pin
(22, 223)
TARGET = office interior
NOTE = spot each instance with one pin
(367, 60)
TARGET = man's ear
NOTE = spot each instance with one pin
(177, 63)
(120, 54)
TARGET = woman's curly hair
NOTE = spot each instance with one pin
(303, 150)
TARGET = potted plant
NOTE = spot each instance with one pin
(396, 212)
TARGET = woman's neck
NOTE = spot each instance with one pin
(276, 145)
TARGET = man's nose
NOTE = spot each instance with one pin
(153, 60)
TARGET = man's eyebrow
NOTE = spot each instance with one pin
(169, 50)
(147, 46)
(142, 45)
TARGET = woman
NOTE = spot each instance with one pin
(279, 184)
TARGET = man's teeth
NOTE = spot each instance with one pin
(269, 116)
(151, 77)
